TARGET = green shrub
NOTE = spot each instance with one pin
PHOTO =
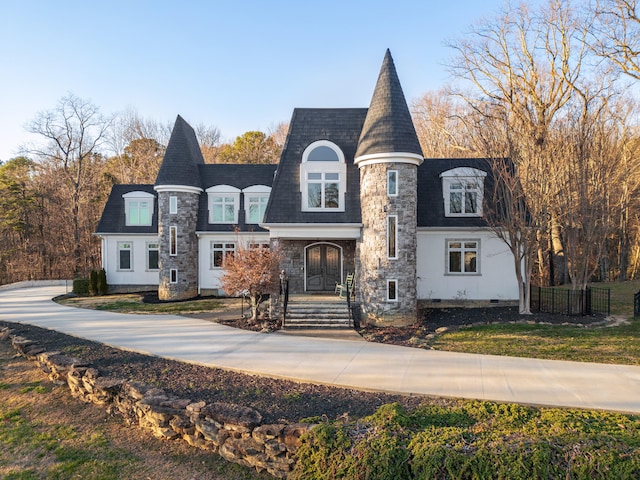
(474, 440)
(81, 286)
(93, 283)
(102, 285)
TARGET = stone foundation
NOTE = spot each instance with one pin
(235, 432)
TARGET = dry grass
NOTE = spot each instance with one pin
(47, 434)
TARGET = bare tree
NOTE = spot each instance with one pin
(279, 133)
(616, 34)
(440, 125)
(209, 140)
(521, 68)
(72, 134)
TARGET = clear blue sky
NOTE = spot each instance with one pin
(238, 65)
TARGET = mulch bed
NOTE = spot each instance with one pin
(277, 400)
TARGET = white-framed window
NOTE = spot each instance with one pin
(463, 191)
(219, 252)
(392, 290)
(256, 206)
(392, 183)
(323, 190)
(153, 255)
(323, 175)
(173, 204)
(224, 201)
(255, 244)
(138, 208)
(463, 256)
(173, 240)
(173, 275)
(125, 256)
(392, 236)
(256, 199)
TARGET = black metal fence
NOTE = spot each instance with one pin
(592, 301)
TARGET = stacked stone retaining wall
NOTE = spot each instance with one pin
(235, 432)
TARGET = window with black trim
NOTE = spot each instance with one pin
(173, 275)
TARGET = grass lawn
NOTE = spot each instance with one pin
(132, 303)
(616, 344)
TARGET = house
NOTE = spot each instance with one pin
(351, 193)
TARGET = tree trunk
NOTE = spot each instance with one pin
(559, 258)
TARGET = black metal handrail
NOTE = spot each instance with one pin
(285, 287)
(349, 304)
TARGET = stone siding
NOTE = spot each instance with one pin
(373, 268)
(186, 261)
(233, 431)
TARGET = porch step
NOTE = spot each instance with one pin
(317, 315)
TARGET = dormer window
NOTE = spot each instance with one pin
(256, 198)
(323, 176)
(138, 208)
(463, 191)
(224, 201)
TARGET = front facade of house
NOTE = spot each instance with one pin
(351, 194)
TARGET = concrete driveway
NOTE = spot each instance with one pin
(345, 363)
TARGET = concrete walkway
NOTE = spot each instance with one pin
(345, 363)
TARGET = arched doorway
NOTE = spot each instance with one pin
(323, 267)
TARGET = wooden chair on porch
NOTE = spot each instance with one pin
(349, 283)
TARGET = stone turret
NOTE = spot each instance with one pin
(388, 157)
(179, 187)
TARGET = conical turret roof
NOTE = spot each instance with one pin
(182, 157)
(388, 127)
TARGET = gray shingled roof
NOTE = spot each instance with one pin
(341, 126)
(113, 215)
(239, 176)
(182, 157)
(388, 127)
(430, 195)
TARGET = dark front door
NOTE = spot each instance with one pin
(323, 268)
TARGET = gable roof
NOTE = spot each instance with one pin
(113, 216)
(388, 127)
(182, 158)
(341, 126)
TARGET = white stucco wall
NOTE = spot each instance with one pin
(209, 278)
(496, 279)
(139, 275)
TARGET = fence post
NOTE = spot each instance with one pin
(588, 308)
